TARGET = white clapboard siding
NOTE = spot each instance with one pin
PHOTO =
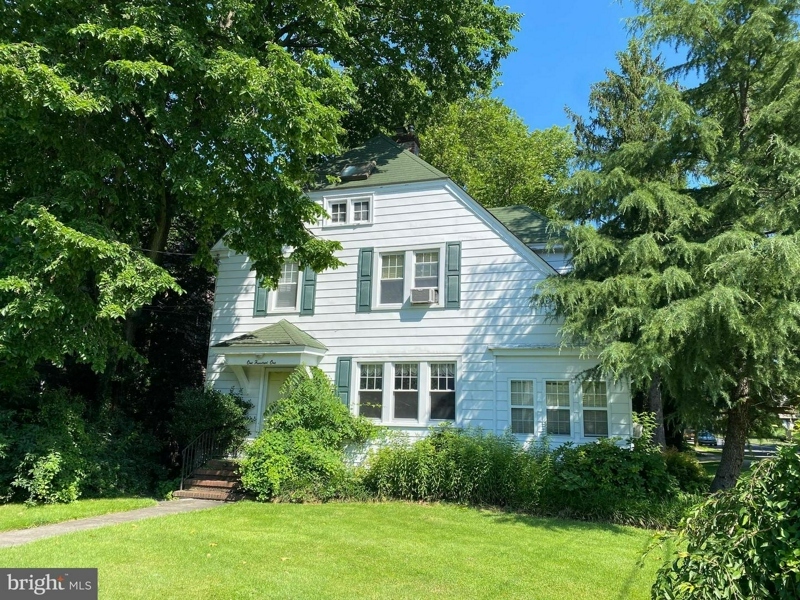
(498, 274)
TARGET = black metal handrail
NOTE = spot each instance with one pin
(199, 451)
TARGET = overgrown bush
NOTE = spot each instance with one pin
(743, 542)
(461, 465)
(54, 454)
(199, 409)
(300, 454)
(687, 471)
(603, 481)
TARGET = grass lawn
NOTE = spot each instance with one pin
(383, 550)
(20, 516)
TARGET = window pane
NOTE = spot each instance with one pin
(286, 294)
(406, 405)
(392, 266)
(426, 269)
(339, 212)
(522, 393)
(443, 405)
(594, 394)
(595, 423)
(558, 421)
(406, 376)
(443, 376)
(522, 420)
(371, 377)
(370, 404)
(361, 211)
(557, 393)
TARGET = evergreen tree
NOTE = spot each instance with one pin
(705, 288)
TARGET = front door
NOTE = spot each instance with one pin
(275, 381)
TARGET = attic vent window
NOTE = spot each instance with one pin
(357, 172)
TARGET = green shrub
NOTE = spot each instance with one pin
(300, 454)
(687, 471)
(460, 465)
(743, 542)
(199, 409)
(54, 454)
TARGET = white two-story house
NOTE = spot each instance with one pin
(429, 322)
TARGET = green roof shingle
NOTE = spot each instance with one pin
(393, 165)
(281, 333)
(526, 224)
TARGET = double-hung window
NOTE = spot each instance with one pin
(443, 391)
(392, 278)
(370, 391)
(426, 269)
(522, 406)
(288, 284)
(557, 399)
(595, 408)
(411, 277)
(403, 391)
(349, 211)
(406, 391)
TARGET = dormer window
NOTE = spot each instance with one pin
(349, 211)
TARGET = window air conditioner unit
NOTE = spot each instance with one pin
(423, 295)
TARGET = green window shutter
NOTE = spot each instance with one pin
(343, 379)
(364, 289)
(309, 292)
(452, 276)
(260, 304)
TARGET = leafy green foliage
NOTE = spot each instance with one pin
(466, 466)
(56, 455)
(684, 216)
(57, 279)
(487, 149)
(600, 481)
(743, 542)
(199, 409)
(687, 471)
(300, 453)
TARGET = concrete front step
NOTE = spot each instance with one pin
(209, 494)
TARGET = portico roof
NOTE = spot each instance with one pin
(281, 334)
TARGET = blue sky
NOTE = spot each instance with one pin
(563, 47)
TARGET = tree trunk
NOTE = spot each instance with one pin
(656, 406)
(735, 441)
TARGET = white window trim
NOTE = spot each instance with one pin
(272, 297)
(532, 406)
(570, 408)
(328, 201)
(423, 419)
(408, 276)
(607, 410)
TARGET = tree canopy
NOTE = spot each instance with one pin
(120, 121)
(686, 247)
(487, 149)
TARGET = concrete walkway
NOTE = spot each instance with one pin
(172, 507)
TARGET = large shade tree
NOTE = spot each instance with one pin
(705, 290)
(119, 120)
(486, 148)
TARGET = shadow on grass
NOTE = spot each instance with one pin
(549, 523)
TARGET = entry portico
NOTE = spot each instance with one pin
(262, 360)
